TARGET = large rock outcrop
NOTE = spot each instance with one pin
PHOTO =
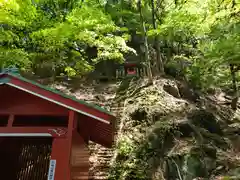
(162, 136)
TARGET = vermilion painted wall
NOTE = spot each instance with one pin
(15, 101)
(60, 153)
(79, 158)
(60, 99)
(69, 150)
(96, 131)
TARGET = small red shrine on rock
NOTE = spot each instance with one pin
(44, 134)
(130, 69)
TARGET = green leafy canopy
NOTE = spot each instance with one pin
(58, 33)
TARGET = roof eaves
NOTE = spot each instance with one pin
(4, 80)
(60, 93)
(59, 103)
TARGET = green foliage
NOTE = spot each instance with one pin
(207, 34)
(124, 146)
(16, 57)
(78, 34)
(58, 34)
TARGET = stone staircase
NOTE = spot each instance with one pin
(99, 161)
(101, 157)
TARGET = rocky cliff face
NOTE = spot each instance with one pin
(168, 131)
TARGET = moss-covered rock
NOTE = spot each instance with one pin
(164, 137)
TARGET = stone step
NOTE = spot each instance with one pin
(98, 178)
(108, 153)
(100, 149)
(99, 173)
(102, 156)
(100, 170)
(100, 164)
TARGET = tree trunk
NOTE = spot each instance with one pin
(159, 62)
(235, 88)
(150, 77)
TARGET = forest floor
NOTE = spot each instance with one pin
(167, 131)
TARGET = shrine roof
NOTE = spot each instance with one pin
(13, 78)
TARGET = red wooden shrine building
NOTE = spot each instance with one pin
(130, 69)
(44, 134)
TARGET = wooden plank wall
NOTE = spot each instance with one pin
(79, 158)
